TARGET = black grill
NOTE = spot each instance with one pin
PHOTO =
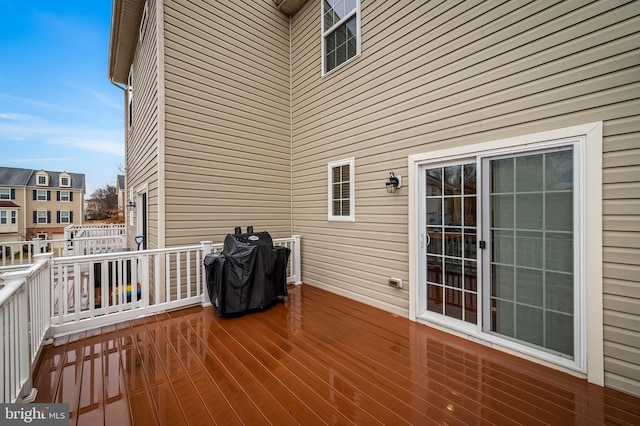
(249, 275)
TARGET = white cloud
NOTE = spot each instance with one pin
(79, 137)
(13, 116)
(40, 104)
(102, 143)
(101, 97)
(105, 100)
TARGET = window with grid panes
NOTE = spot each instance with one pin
(341, 190)
(340, 32)
(41, 217)
(65, 216)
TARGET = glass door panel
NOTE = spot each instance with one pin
(531, 249)
(452, 282)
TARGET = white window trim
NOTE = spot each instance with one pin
(46, 180)
(591, 354)
(45, 217)
(68, 196)
(323, 35)
(38, 194)
(68, 212)
(140, 192)
(11, 217)
(62, 185)
(8, 192)
(131, 212)
(352, 189)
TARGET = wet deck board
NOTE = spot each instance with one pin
(317, 358)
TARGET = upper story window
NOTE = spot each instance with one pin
(340, 32)
(130, 97)
(41, 195)
(42, 179)
(7, 194)
(65, 196)
(342, 190)
(65, 180)
(143, 21)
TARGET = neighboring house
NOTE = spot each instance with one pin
(39, 203)
(92, 209)
(515, 129)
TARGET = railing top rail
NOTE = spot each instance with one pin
(283, 240)
(10, 288)
(12, 268)
(133, 254)
(125, 254)
(10, 243)
(101, 225)
(94, 238)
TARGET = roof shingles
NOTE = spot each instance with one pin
(10, 176)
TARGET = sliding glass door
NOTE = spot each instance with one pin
(499, 247)
(529, 221)
(452, 271)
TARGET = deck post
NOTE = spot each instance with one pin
(207, 248)
(295, 260)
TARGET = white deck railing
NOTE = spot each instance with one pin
(56, 296)
(24, 324)
(82, 246)
(23, 252)
(80, 231)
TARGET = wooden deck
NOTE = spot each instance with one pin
(316, 359)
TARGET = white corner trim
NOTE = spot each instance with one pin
(161, 203)
(593, 253)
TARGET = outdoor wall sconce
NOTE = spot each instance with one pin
(131, 205)
(393, 183)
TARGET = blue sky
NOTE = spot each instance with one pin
(58, 110)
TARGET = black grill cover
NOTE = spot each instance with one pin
(250, 274)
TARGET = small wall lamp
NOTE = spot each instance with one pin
(131, 205)
(394, 182)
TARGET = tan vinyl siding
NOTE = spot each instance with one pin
(142, 136)
(621, 251)
(228, 139)
(435, 75)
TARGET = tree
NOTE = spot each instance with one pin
(103, 203)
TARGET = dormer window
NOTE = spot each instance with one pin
(65, 180)
(42, 179)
